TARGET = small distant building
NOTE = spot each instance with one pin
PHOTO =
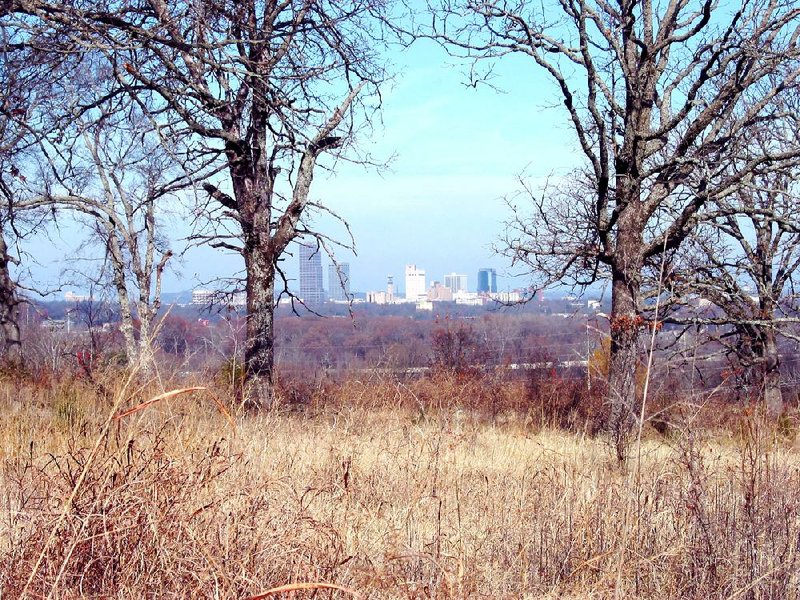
(424, 305)
(378, 298)
(70, 297)
(203, 297)
(456, 282)
(507, 297)
(593, 305)
(469, 298)
(440, 293)
(239, 299)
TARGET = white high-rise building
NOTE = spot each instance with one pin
(415, 284)
(456, 282)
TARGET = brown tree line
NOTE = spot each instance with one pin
(681, 110)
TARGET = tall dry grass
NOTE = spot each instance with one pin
(389, 489)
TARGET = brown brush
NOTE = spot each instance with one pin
(172, 394)
(293, 587)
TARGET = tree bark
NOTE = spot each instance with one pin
(145, 357)
(259, 352)
(773, 397)
(623, 360)
(626, 277)
(118, 276)
(9, 308)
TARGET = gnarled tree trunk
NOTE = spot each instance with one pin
(626, 275)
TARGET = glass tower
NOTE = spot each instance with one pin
(311, 275)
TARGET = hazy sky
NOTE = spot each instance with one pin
(458, 151)
(439, 205)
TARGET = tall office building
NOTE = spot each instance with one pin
(415, 283)
(456, 282)
(339, 282)
(311, 275)
(487, 281)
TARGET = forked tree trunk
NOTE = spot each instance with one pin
(125, 313)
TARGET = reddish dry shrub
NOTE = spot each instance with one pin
(671, 412)
(456, 349)
(484, 393)
(542, 397)
(304, 389)
(565, 403)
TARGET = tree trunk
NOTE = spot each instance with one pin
(259, 352)
(625, 324)
(623, 362)
(145, 357)
(125, 317)
(773, 397)
(9, 308)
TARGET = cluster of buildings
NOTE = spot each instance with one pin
(452, 288)
(201, 297)
(312, 290)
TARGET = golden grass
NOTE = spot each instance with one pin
(384, 502)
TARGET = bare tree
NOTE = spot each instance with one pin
(87, 145)
(265, 89)
(744, 260)
(24, 68)
(661, 97)
(111, 166)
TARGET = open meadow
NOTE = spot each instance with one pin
(372, 486)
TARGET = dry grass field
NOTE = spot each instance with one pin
(384, 495)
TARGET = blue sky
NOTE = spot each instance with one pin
(458, 152)
(439, 204)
